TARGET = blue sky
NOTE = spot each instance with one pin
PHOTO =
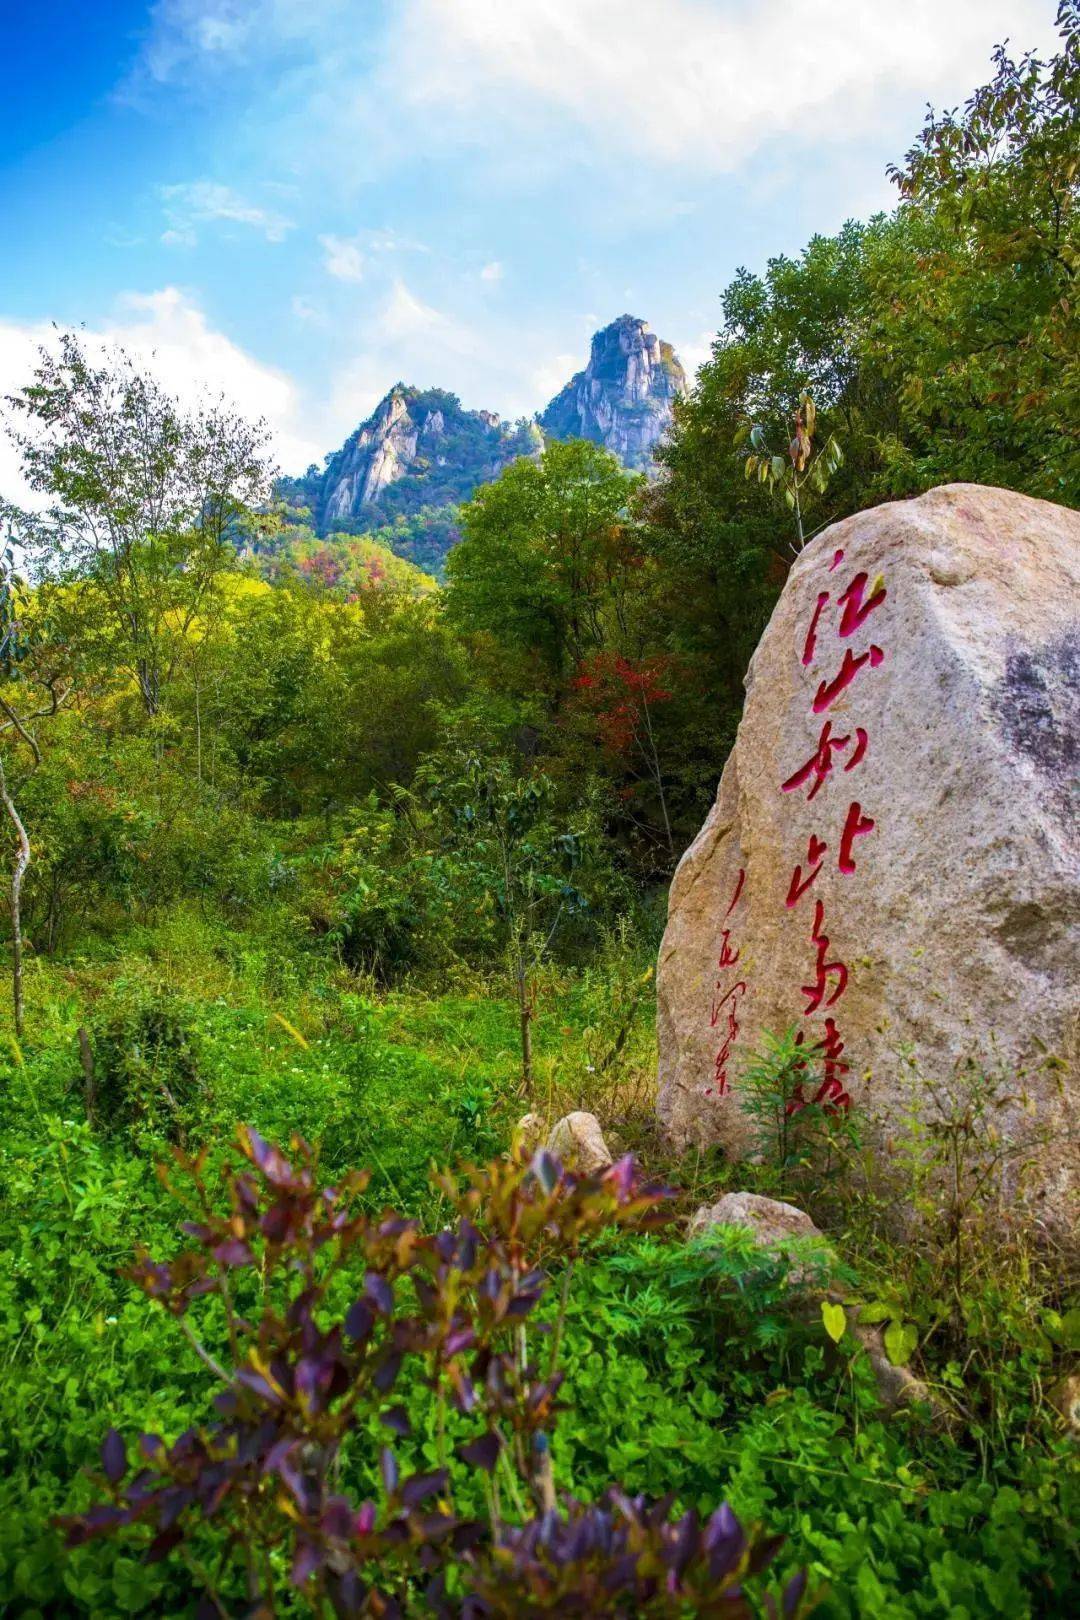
(300, 201)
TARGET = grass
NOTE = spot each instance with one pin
(681, 1376)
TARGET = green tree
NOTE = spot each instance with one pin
(146, 501)
(974, 295)
(542, 569)
(514, 851)
(315, 701)
(32, 670)
(564, 607)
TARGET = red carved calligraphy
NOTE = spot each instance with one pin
(855, 611)
(832, 976)
(855, 605)
(740, 883)
(861, 743)
(856, 825)
(811, 635)
(820, 762)
(832, 1086)
(815, 850)
(828, 692)
(726, 1002)
(831, 1092)
(721, 1085)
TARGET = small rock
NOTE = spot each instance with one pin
(1065, 1398)
(529, 1132)
(769, 1219)
(774, 1222)
(578, 1141)
(896, 1385)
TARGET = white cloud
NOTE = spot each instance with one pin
(698, 82)
(694, 352)
(408, 320)
(391, 241)
(344, 259)
(408, 340)
(199, 202)
(696, 85)
(492, 272)
(551, 376)
(170, 335)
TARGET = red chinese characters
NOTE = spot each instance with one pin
(831, 1093)
(815, 852)
(836, 751)
(832, 976)
(730, 1008)
(820, 762)
(855, 826)
(855, 611)
(828, 691)
(726, 999)
(810, 644)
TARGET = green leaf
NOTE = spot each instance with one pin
(876, 1311)
(1064, 1330)
(900, 1340)
(834, 1319)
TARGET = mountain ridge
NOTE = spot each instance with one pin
(403, 471)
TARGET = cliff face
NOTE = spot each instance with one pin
(623, 399)
(417, 449)
(405, 470)
(378, 453)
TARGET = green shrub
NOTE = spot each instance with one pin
(149, 1074)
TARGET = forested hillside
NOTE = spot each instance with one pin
(402, 476)
(300, 839)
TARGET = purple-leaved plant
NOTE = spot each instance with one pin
(303, 1366)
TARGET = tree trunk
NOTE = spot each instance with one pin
(198, 729)
(525, 1023)
(657, 775)
(148, 686)
(22, 861)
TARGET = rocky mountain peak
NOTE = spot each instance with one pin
(623, 399)
(420, 452)
(418, 448)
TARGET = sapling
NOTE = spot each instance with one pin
(796, 470)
